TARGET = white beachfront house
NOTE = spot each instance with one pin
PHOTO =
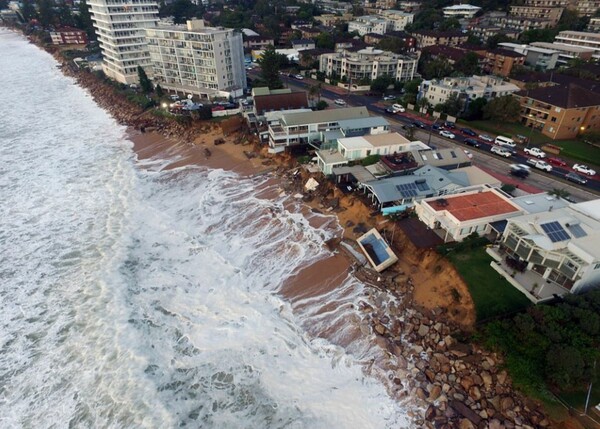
(323, 126)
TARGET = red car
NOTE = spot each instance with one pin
(557, 162)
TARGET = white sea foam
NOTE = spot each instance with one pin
(136, 297)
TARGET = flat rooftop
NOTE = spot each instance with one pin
(473, 206)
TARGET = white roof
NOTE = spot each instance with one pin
(462, 7)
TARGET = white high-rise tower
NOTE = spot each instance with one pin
(120, 27)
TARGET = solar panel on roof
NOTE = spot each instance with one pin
(422, 185)
(577, 231)
(408, 190)
(555, 231)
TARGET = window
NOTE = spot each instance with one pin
(553, 119)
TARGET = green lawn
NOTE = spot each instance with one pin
(573, 149)
(492, 294)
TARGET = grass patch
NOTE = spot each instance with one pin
(573, 149)
(492, 294)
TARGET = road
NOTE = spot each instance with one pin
(481, 156)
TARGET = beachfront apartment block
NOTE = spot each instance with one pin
(581, 39)
(551, 253)
(121, 30)
(323, 126)
(465, 88)
(199, 60)
(368, 64)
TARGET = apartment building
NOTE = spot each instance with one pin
(557, 251)
(295, 129)
(484, 31)
(581, 39)
(561, 111)
(465, 88)
(583, 7)
(368, 24)
(194, 59)
(500, 62)
(368, 63)
(410, 5)
(397, 19)
(332, 6)
(121, 30)
(552, 14)
(566, 53)
(329, 19)
(537, 57)
(461, 11)
(68, 36)
(432, 37)
(257, 42)
(525, 24)
(594, 25)
(379, 4)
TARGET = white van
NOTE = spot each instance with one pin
(504, 141)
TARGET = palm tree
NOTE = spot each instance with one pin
(315, 90)
(559, 193)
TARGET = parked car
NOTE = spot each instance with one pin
(447, 134)
(486, 138)
(339, 102)
(174, 97)
(389, 97)
(557, 162)
(419, 124)
(584, 169)
(450, 125)
(299, 77)
(436, 127)
(519, 138)
(539, 164)
(504, 141)
(468, 153)
(469, 132)
(498, 150)
(535, 151)
(398, 108)
(472, 142)
(574, 177)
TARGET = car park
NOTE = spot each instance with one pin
(574, 177)
(469, 132)
(580, 168)
(486, 138)
(557, 162)
(447, 134)
(472, 142)
(419, 124)
(339, 102)
(535, 151)
(498, 150)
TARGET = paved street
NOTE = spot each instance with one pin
(481, 156)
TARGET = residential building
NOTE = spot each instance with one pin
(455, 217)
(121, 32)
(594, 25)
(9, 16)
(583, 7)
(566, 53)
(525, 24)
(329, 19)
(552, 14)
(369, 64)
(485, 31)
(501, 61)
(580, 38)
(432, 37)
(536, 57)
(410, 5)
(348, 149)
(68, 36)
(561, 111)
(257, 42)
(194, 59)
(303, 128)
(465, 88)
(303, 44)
(408, 40)
(461, 11)
(332, 6)
(278, 100)
(349, 44)
(401, 192)
(309, 32)
(380, 4)
(368, 24)
(448, 53)
(551, 253)
(397, 19)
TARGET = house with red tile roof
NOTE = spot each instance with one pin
(455, 217)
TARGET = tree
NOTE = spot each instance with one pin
(453, 105)
(494, 40)
(322, 105)
(159, 91)
(381, 83)
(437, 68)
(474, 40)
(315, 90)
(46, 12)
(65, 17)
(468, 64)
(475, 109)
(565, 365)
(449, 24)
(324, 41)
(502, 109)
(83, 20)
(392, 44)
(423, 103)
(538, 35)
(559, 193)
(28, 10)
(145, 83)
(270, 64)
